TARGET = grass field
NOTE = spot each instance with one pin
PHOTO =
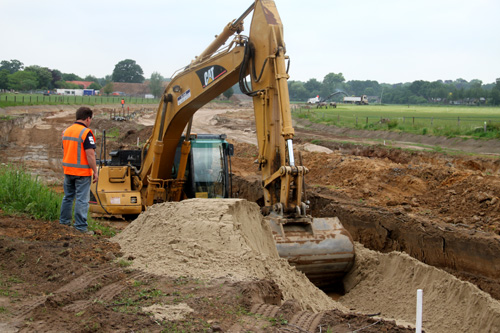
(9, 99)
(450, 121)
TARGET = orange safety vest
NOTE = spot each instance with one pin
(75, 160)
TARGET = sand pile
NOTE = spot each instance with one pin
(388, 283)
(209, 239)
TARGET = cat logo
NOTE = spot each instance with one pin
(208, 75)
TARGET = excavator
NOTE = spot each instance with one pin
(176, 164)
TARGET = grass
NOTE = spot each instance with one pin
(9, 99)
(123, 263)
(20, 192)
(449, 121)
(24, 194)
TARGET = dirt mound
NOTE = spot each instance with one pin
(193, 237)
(387, 283)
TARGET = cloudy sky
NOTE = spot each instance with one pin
(389, 41)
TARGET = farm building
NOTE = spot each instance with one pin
(77, 92)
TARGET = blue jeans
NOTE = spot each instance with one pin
(76, 188)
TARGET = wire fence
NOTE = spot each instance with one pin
(73, 99)
(415, 123)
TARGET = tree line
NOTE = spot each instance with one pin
(457, 91)
(14, 76)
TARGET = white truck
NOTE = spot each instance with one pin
(314, 100)
(363, 100)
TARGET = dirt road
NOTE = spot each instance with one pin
(441, 209)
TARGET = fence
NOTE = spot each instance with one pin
(439, 124)
(68, 99)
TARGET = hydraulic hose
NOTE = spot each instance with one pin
(103, 144)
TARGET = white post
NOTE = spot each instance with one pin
(420, 296)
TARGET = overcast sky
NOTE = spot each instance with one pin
(389, 41)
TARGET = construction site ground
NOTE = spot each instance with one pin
(424, 212)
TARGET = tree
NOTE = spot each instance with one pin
(495, 93)
(95, 86)
(56, 76)
(332, 82)
(91, 78)
(128, 71)
(12, 66)
(22, 80)
(108, 88)
(71, 77)
(4, 79)
(156, 84)
(105, 80)
(68, 85)
(297, 91)
(43, 76)
(313, 87)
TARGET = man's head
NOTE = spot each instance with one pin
(83, 113)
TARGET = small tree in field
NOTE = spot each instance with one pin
(156, 84)
(95, 86)
(128, 71)
(108, 88)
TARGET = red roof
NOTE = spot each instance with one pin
(85, 84)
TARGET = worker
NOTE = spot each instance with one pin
(123, 103)
(79, 164)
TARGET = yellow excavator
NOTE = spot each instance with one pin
(176, 164)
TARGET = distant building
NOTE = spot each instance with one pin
(77, 92)
(84, 84)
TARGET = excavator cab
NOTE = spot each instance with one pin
(208, 168)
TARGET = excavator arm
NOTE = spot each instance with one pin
(261, 57)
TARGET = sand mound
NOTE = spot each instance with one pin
(209, 239)
(388, 283)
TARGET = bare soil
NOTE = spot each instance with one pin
(440, 206)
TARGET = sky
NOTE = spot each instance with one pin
(389, 41)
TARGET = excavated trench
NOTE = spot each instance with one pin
(396, 254)
(471, 256)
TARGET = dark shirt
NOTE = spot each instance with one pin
(89, 140)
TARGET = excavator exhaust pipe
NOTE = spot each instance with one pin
(321, 248)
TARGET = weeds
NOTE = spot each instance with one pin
(8, 293)
(20, 192)
(123, 263)
(278, 321)
(96, 225)
(151, 293)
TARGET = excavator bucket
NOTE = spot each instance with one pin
(321, 248)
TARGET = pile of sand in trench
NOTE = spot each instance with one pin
(212, 238)
(388, 283)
